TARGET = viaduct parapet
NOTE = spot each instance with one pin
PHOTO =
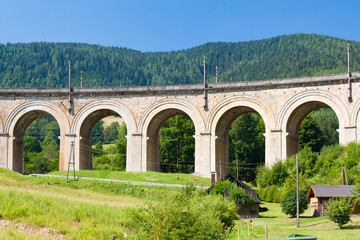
(282, 104)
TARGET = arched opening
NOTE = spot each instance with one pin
(239, 143)
(36, 143)
(102, 141)
(312, 124)
(170, 142)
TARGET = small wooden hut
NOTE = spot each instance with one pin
(319, 195)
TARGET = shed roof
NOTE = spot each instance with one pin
(330, 191)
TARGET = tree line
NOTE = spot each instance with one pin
(45, 65)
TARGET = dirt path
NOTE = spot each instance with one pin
(31, 230)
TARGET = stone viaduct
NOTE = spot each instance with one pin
(282, 104)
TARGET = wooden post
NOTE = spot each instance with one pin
(266, 232)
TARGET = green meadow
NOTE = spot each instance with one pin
(88, 209)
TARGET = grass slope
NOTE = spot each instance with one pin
(172, 178)
(100, 210)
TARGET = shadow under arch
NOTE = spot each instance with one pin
(86, 119)
(18, 121)
(220, 120)
(298, 107)
(152, 120)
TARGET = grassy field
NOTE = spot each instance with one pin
(43, 208)
(281, 226)
(173, 178)
(81, 209)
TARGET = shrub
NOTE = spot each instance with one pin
(270, 194)
(288, 203)
(185, 216)
(339, 210)
(262, 176)
(237, 195)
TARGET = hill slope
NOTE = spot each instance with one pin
(45, 64)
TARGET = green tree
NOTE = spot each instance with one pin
(247, 144)
(339, 210)
(121, 141)
(111, 132)
(310, 135)
(327, 121)
(98, 149)
(97, 133)
(177, 145)
(288, 203)
(38, 163)
(31, 144)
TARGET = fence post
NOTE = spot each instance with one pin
(266, 232)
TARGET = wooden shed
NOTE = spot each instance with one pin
(319, 195)
(247, 210)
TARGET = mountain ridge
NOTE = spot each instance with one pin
(43, 64)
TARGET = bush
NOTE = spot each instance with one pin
(237, 195)
(271, 176)
(288, 203)
(270, 194)
(339, 210)
(185, 216)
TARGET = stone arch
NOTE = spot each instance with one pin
(85, 120)
(220, 120)
(298, 107)
(151, 122)
(1, 125)
(20, 118)
(355, 119)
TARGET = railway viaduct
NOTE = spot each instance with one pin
(282, 104)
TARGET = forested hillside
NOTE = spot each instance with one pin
(46, 64)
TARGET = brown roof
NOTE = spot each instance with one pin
(330, 191)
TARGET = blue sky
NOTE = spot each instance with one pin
(164, 25)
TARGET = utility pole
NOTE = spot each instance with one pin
(349, 74)
(69, 76)
(297, 191)
(216, 74)
(81, 78)
(205, 93)
(70, 100)
(204, 72)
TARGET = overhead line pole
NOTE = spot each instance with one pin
(216, 74)
(205, 86)
(349, 74)
(81, 79)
